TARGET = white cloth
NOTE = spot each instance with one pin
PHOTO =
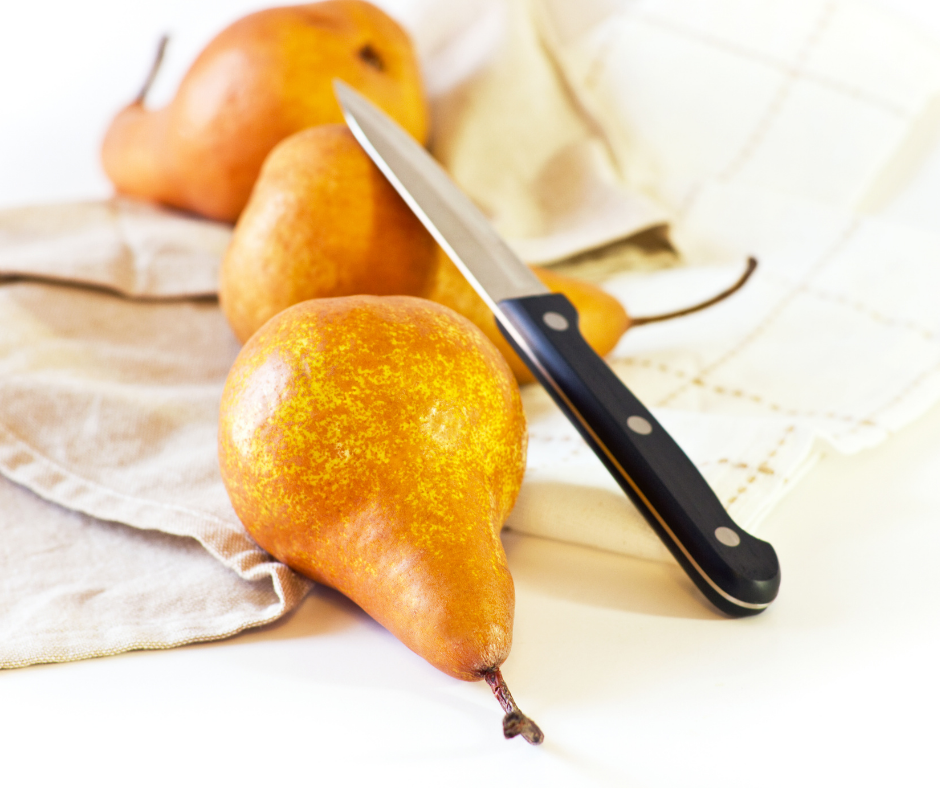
(803, 132)
(512, 135)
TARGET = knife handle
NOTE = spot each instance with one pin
(738, 573)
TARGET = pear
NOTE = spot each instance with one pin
(322, 222)
(377, 445)
(263, 78)
(601, 317)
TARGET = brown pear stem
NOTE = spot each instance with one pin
(751, 265)
(154, 70)
(515, 723)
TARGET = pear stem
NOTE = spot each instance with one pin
(751, 265)
(154, 70)
(515, 723)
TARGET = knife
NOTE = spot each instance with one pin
(738, 573)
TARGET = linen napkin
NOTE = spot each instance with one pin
(737, 121)
(108, 413)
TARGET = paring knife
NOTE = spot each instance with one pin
(737, 572)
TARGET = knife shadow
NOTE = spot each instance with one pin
(589, 576)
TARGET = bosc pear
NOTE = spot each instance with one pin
(322, 222)
(263, 78)
(602, 319)
(377, 445)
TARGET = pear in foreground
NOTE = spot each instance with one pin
(377, 445)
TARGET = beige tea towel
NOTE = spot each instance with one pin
(108, 412)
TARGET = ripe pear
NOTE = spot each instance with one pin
(322, 222)
(263, 78)
(377, 445)
(601, 317)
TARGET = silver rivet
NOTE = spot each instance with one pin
(555, 321)
(639, 425)
(727, 537)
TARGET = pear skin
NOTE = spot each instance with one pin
(601, 317)
(377, 445)
(322, 222)
(263, 78)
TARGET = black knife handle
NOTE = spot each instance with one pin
(737, 572)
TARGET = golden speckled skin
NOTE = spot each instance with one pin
(377, 445)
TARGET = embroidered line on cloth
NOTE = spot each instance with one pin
(841, 299)
(797, 69)
(772, 314)
(773, 453)
(739, 393)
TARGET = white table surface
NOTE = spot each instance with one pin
(635, 681)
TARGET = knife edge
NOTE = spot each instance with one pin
(465, 234)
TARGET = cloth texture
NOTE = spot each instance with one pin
(802, 132)
(108, 411)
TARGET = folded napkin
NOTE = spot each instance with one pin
(108, 411)
(800, 132)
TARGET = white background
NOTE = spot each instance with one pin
(634, 680)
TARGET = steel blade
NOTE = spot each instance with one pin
(491, 267)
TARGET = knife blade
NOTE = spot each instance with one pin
(738, 573)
